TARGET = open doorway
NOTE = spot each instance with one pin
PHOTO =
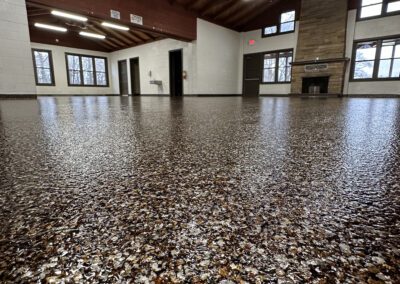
(175, 73)
(135, 76)
(123, 77)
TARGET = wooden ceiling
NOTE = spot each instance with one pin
(233, 14)
(163, 19)
(115, 39)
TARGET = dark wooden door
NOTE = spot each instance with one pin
(175, 73)
(135, 76)
(123, 77)
(251, 75)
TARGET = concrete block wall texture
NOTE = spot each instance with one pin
(16, 66)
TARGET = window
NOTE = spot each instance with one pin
(377, 60)
(43, 64)
(277, 67)
(378, 8)
(85, 70)
(287, 24)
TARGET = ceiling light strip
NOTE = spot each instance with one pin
(92, 35)
(115, 26)
(69, 16)
(50, 27)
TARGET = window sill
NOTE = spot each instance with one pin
(359, 19)
(88, 86)
(275, 83)
(374, 80)
(276, 34)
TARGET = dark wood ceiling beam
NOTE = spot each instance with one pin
(168, 20)
(214, 8)
(114, 41)
(246, 13)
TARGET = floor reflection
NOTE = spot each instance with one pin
(199, 190)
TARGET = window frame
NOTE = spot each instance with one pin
(278, 26)
(277, 52)
(81, 71)
(384, 12)
(53, 80)
(375, 74)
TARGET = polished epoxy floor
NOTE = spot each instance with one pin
(199, 190)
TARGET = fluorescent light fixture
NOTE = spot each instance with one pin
(92, 35)
(49, 27)
(115, 26)
(69, 16)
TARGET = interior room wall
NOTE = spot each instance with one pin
(154, 65)
(368, 29)
(60, 72)
(217, 56)
(211, 62)
(16, 67)
(263, 45)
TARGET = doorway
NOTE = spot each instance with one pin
(175, 73)
(252, 74)
(135, 76)
(123, 77)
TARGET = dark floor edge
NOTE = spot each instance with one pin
(78, 95)
(13, 96)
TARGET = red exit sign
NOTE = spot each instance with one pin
(252, 42)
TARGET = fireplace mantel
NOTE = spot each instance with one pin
(321, 61)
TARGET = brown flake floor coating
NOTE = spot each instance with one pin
(199, 190)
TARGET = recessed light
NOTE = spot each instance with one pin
(92, 35)
(115, 26)
(50, 27)
(69, 16)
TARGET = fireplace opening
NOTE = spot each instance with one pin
(315, 85)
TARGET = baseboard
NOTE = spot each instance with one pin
(388, 96)
(13, 96)
(217, 95)
(275, 95)
(78, 95)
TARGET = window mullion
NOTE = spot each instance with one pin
(276, 67)
(377, 59)
(94, 71)
(81, 70)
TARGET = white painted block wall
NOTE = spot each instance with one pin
(60, 72)
(154, 58)
(16, 66)
(375, 28)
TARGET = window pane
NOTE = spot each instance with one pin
(100, 64)
(287, 27)
(73, 62)
(101, 79)
(88, 78)
(397, 52)
(43, 76)
(42, 59)
(282, 75)
(289, 74)
(74, 77)
(370, 2)
(282, 62)
(364, 70)
(288, 16)
(384, 68)
(269, 75)
(396, 69)
(387, 52)
(366, 51)
(87, 64)
(270, 30)
(393, 6)
(370, 11)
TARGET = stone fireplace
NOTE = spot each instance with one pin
(315, 85)
(321, 46)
